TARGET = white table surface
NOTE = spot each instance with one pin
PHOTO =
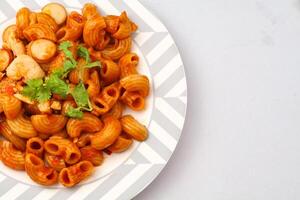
(241, 139)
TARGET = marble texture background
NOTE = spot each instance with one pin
(241, 139)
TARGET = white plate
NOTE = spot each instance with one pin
(122, 176)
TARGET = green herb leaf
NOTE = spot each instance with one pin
(84, 53)
(93, 64)
(74, 112)
(81, 97)
(58, 72)
(68, 67)
(35, 83)
(57, 85)
(35, 90)
(29, 92)
(64, 47)
(43, 94)
(69, 63)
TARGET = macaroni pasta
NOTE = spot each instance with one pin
(66, 80)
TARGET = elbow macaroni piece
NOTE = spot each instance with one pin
(63, 147)
(116, 111)
(12, 157)
(18, 142)
(35, 146)
(99, 105)
(107, 98)
(84, 140)
(56, 162)
(120, 48)
(48, 124)
(91, 154)
(128, 64)
(73, 29)
(136, 83)
(39, 31)
(75, 21)
(22, 21)
(112, 23)
(122, 143)
(38, 172)
(43, 18)
(110, 72)
(88, 123)
(65, 33)
(93, 30)
(72, 175)
(89, 11)
(134, 128)
(32, 18)
(22, 127)
(93, 83)
(108, 135)
(111, 94)
(133, 100)
(10, 105)
(125, 28)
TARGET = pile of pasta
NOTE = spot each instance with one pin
(65, 79)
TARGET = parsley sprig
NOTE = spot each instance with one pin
(37, 90)
(84, 53)
(43, 89)
(82, 100)
(64, 47)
